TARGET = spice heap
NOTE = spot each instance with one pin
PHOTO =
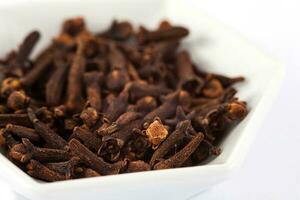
(119, 101)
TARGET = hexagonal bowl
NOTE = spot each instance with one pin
(212, 45)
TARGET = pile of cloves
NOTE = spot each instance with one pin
(119, 101)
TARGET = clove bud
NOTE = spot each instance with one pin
(118, 101)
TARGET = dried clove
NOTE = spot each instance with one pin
(70, 124)
(74, 26)
(9, 85)
(17, 100)
(118, 77)
(170, 142)
(236, 110)
(180, 116)
(89, 173)
(26, 48)
(66, 168)
(122, 121)
(116, 107)
(89, 116)
(2, 139)
(119, 101)
(180, 157)
(39, 68)
(119, 30)
(60, 111)
(94, 162)
(89, 139)
(137, 146)
(23, 132)
(227, 81)
(16, 151)
(139, 89)
(166, 109)
(213, 88)
(93, 82)
(43, 154)
(144, 105)
(54, 86)
(7, 139)
(156, 132)
(74, 95)
(188, 80)
(111, 146)
(3, 109)
(17, 119)
(40, 171)
(51, 138)
(138, 166)
(173, 32)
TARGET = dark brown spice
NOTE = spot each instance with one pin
(89, 139)
(132, 72)
(89, 173)
(93, 83)
(17, 119)
(74, 94)
(180, 116)
(45, 115)
(60, 111)
(3, 109)
(54, 86)
(137, 146)
(112, 145)
(144, 105)
(119, 30)
(138, 166)
(213, 88)
(122, 121)
(188, 80)
(116, 107)
(17, 100)
(89, 116)
(94, 162)
(119, 101)
(26, 48)
(66, 168)
(139, 89)
(39, 67)
(227, 81)
(18, 61)
(51, 138)
(170, 142)
(2, 139)
(118, 76)
(43, 154)
(9, 85)
(17, 151)
(163, 34)
(23, 132)
(166, 109)
(180, 157)
(8, 139)
(70, 124)
(40, 171)
(73, 26)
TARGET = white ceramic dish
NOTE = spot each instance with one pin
(212, 45)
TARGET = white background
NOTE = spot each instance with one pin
(272, 167)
